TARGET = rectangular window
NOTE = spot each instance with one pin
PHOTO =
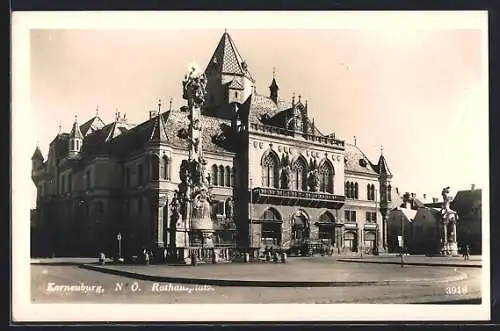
(371, 217)
(353, 216)
(219, 208)
(347, 215)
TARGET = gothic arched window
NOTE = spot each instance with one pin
(299, 175)
(270, 171)
(355, 190)
(346, 189)
(228, 176)
(215, 175)
(165, 167)
(220, 180)
(326, 177)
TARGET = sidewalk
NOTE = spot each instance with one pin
(420, 260)
(295, 273)
(66, 260)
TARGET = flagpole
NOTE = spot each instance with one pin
(250, 214)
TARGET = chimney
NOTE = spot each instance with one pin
(153, 113)
(424, 196)
(473, 187)
(413, 195)
(434, 200)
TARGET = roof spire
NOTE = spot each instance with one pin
(170, 104)
(225, 30)
(159, 106)
(381, 150)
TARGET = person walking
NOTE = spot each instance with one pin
(467, 252)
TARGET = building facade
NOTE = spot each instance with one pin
(275, 180)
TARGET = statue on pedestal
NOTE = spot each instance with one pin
(449, 219)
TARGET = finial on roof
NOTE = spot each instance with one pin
(97, 110)
(354, 140)
(170, 104)
(300, 96)
(59, 128)
(225, 30)
(274, 72)
(76, 118)
(159, 105)
(381, 150)
(293, 99)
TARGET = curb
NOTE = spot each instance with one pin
(70, 263)
(263, 283)
(452, 265)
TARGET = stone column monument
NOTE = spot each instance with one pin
(193, 197)
(449, 220)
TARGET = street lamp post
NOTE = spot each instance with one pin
(402, 241)
(119, 238)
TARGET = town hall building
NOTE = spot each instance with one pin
(275, 180)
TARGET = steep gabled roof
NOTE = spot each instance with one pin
(464, 201)
(235, 84)
(93, 124)
(357, 161)
(226, 58)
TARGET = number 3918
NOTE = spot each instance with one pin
(456, 290)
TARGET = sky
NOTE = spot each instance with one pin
(419, 92)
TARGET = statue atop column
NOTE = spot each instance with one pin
(449, 220)
(194, 188)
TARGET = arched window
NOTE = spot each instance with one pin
(326, 177)
(351, 190)
(165, 167)
(233, 176)
(215, 175)
(299, 175)
(228, 176)
(270, 171)
(368, 192)
(220, 180)
(346, 189)
(389, 193)
(355, 190)
(271, 215)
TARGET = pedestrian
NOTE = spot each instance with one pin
(467, 252)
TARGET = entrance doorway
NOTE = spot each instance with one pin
(300, 227)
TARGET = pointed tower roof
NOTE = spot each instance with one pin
(75, 131)
(274, 85)
(158, 131)
(227, 59)
(37, 155)
(382, 167)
